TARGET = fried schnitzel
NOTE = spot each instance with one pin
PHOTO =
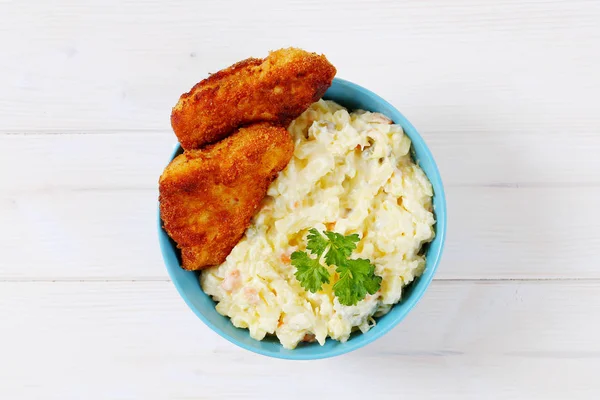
(276, 89)
(208, 196)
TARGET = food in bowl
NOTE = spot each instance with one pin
(351, 173)
(252, 95)
(331, 243)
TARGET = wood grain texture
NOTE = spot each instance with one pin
(136, 160)
(505, 93)
(506, 66)
(138, 340)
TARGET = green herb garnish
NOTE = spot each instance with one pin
(356, 277)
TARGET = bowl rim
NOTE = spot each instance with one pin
(417, 292)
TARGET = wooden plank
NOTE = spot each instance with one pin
(85, 161)
(510, 66)
(136, 160)
(81, 234)
(494, 233)
(138, 340)
(522, 233)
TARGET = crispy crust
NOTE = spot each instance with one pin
(208, 196)
(276, 89)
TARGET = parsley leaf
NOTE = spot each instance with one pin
(357, 278)
(309, 271)
(316, 242)
(341, 247)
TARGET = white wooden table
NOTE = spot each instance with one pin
(506, 94)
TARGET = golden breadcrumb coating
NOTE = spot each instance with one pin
(276, 89)
(208, 196)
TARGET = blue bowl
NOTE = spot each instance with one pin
(352, 97)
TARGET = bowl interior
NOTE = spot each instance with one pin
(352, 97)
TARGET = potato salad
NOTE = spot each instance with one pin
(351, 173)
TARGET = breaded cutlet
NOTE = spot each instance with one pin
(276, 89)
(208, 196)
